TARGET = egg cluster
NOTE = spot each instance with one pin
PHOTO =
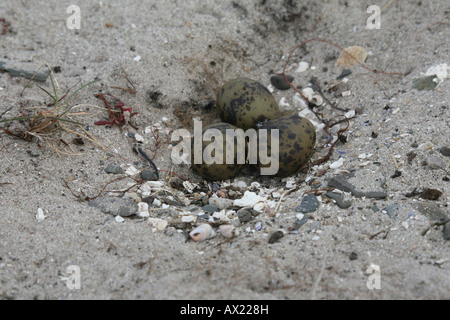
(246, 104)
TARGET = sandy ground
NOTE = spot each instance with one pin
(187, 49)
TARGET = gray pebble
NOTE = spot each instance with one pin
(308, 204)
(280, 83)
(447, 231)
(353, 256)
(345, 72)
(391, 209)
(425, 83)
(445, 151)
(435, 162)
(339, 198)
(123, 207)
(114, 169)
(148, 175)
(275, 236)
(298, 223)
(210, 208)
(361, 183)
(432, 211)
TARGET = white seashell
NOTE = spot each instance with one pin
(227, 231)
(308, 93)
(143, 210)
(283, 103)
(190, 187)
(337, 164)
(317, 99)
(302, 66)
(138, 137)
(248, 200)
(40, 215)
(202, 232)
(157, 224)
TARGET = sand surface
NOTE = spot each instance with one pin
(177, 54)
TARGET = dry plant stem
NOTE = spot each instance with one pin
(83, 196)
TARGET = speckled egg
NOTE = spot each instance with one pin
(246, 103)
(297, 137)
(218, 168)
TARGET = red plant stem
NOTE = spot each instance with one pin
(5, 26)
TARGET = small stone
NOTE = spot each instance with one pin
(445, 151)
(240, 184)
(275, 236)
(221, 203)
(299, 222)
(340, 200)
(119, 219)
(425, 83)
(344, 73)
(158, 224)
(113, 169)
(435, 162)
(446, 231)
(353, 256)
(143, 210)
(432, 211)
(362, 183)
(280, 83)
(425, 146)
(188, 219)
(308, 204)
(123, 207)
(148, 175)
(391, 209)
(210, 208)
(302, 66)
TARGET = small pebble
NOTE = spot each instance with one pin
(425, 83)
(391, 209)
(340, 200)
(123, 207)
(113, 169)
(119, 219)
(425, 146)
(308, 204)
(446, 231)
(435, 162)
(445, 151)
(299, 222)
(344, 73)
(148, 175)
(353, 256)
(210, 208)
(280, 83)
(275, 236)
